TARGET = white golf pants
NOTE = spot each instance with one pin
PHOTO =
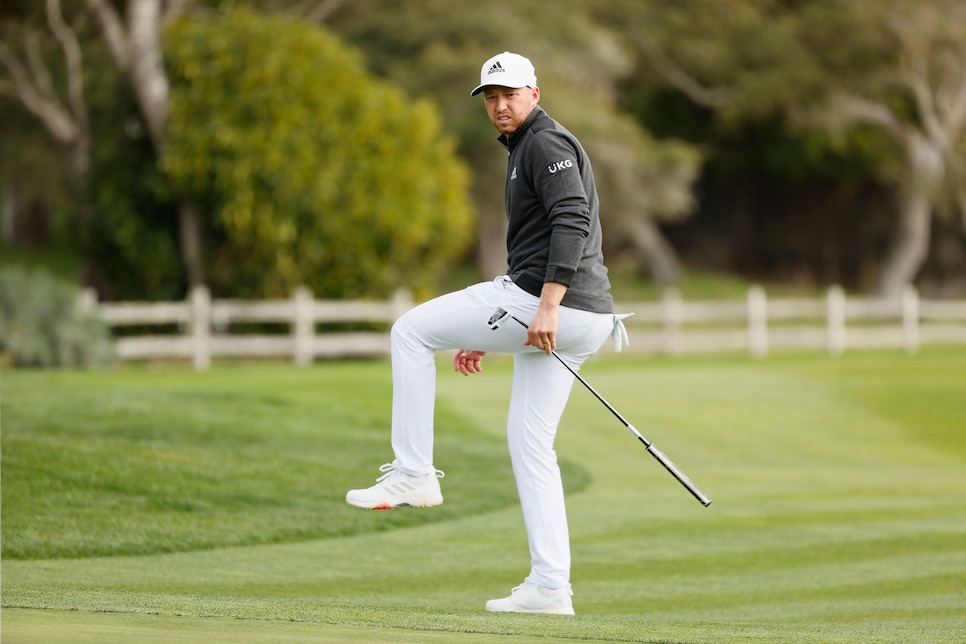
(541, 387)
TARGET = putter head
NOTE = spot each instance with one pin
(497, 319)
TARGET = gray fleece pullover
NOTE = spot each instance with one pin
(554, 227)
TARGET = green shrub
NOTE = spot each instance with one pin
(310, 171)
(42, 326)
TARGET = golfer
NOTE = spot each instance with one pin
(556, 280)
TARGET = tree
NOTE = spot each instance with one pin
(133, 41)
(368, 167)
(313, 172)
(896, 66)
(32, 82)
(916, 94)
(435, 47)
(135, 46)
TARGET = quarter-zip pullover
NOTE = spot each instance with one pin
(554, 232)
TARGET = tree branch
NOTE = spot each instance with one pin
(36, 66)
(915, 73)
(844, 109)
(676, 76)
(113, 30)
(322, 10)
(57, 120)
(954, 98)
(75, 68)
(147, 66)
(174, 9)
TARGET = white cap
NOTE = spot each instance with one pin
(506, 70)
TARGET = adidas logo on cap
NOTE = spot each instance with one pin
(514, 71)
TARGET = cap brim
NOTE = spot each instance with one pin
(480, 88)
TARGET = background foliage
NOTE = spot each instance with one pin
(430, 49)
(41, 326)
(313, 172)
(131, 243)
(808, 142)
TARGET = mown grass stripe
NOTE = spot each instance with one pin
(160, 500)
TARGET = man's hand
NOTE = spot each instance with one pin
(542, 331)
(466, 361)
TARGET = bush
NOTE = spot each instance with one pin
(42, 326)
(311, 171)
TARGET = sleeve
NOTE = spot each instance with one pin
(556, 170)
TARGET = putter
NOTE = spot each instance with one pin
(501, 316)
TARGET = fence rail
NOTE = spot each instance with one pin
(203, 328)
(758, 324)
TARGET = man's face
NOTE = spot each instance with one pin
(509, 107)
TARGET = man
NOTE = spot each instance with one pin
(556, 279)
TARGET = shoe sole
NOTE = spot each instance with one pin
(423, 503)
(555, 611)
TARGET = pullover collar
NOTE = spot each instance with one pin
(514, 139)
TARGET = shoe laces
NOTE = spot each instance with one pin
(389, 470)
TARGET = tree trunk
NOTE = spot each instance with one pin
(8, 213)
(911, 244)
(491, 244)
(189, 228)
(146, 66)
(491, 225)
(656, 255)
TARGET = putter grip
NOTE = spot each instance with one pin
(679, 475)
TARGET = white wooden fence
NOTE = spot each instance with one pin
(202, 327)
(758, 324)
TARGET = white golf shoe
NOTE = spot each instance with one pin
(395, 490)
(531, 598)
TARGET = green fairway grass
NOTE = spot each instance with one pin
(155, 503)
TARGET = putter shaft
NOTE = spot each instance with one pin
(495, 322)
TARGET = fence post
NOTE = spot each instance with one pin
(87, 301)
(910, 319)
(402, 301)
(671, 313)
(201, 327)
(303, 327)
(757, 321)
(835, 311)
